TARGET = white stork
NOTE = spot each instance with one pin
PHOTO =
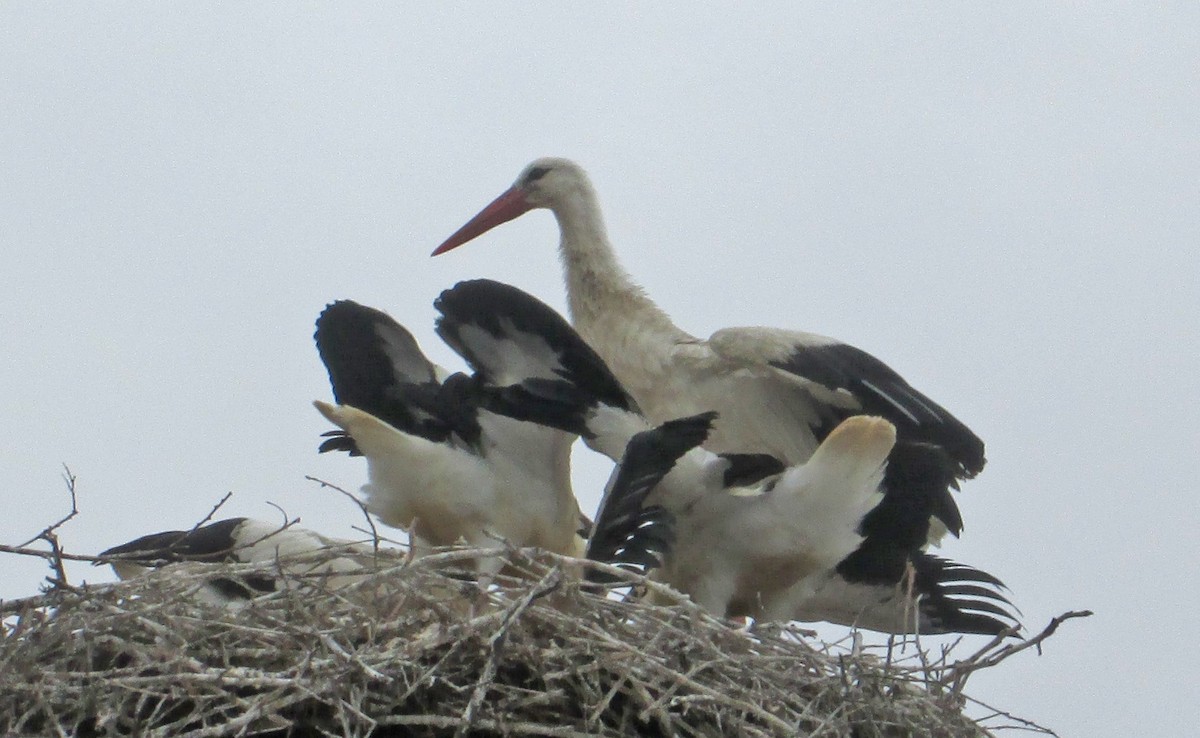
(740, 533)
(770, 549)
(290, 555)
(776, 391)
(440, 465)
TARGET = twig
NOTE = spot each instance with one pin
(987, 657)
(220, 503)
(51, 555)
(70, 479)
(503, 727)
(362, 506)
(288, 521)
(1022, 723)
(56, 555)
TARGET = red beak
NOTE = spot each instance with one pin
(501, 210)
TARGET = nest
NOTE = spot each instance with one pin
(412, 649)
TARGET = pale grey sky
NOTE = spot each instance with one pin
(1000, 202)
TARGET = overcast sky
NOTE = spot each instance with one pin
(1001, 202)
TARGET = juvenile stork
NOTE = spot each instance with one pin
(289, 556)
(776, 392)
(441, 465)
(740, 533)
(770, 550)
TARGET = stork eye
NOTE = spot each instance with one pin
(536, 173)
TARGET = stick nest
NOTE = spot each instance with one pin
(408, 649)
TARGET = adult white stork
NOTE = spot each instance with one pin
(776, 391)
(740, 533)
(289, 556)
(440, 465)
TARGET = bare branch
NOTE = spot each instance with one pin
(362, 507)
(993, 653)
(55, 556)
(204, 521)
(51, 555)
(48, 532)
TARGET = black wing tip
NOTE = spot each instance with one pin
(652, 454)
(342, 317)
(143, 545)
(338, 440)
(951, 597)
(882, 391)
(376, 365)
(957, 598)
(917, 486)
(479, 288)
(642, 545)
(349, 310)
(366, 352)
(479, 301)
(696, 426)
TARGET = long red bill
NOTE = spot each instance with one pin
(501, 210)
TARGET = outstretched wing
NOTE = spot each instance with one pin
(838, 380)
(376, 365)
(627, 531)
(509, 336)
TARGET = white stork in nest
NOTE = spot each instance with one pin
(742, 534)
(440, 465)
(289, 556)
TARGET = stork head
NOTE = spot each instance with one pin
(545, 183)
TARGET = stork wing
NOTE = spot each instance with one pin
(791, 389)
(226, 540)
(236, 540)
(627, 531)
(377, 366)
(841, 380)
(509, 336)
(366, 351)
(213, 542)
(534, 366)
(944, 597)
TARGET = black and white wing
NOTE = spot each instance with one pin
(628, 531)
(939, 596)
(784, 391)
(534, 366)
(377, 366)
(240, 540)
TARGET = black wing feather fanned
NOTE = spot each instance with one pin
(916, 486)
(881, 391)
(367, 352)
(626, 531)
(376, 365)
(956, 598)
(505, 312)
